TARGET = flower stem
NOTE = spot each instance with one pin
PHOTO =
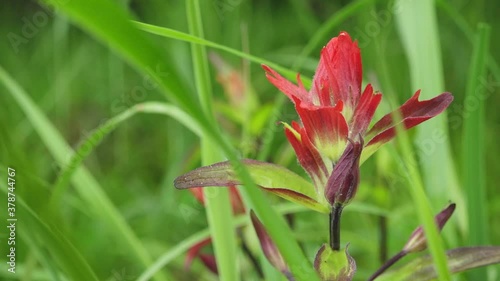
(335, 226)
(387, 264)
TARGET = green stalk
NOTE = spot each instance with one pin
(89, 190)
(181, 36)
(473, 149)
(418, 30)
(421, 202)
(417, 24)
(469, 32)
(218, 206)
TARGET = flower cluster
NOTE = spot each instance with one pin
(335, 116)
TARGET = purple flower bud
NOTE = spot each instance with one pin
(343, 182)
(417, 241)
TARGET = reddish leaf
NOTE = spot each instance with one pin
(339, 73)
(268, 247)
(194, 252)
(287, 87)
(326, 128)
(234, 196)
(413, 112)
(459, 260)
(308, 156)
(271, 177)
(417, 241)
(365, 109)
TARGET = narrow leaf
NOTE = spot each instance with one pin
(271, 177)
(61, 252)
(96, 136)
(85, 184)
(218, 206)
(460, 259)
(418, 30)
(179, 35)
(269, 248)
(473, 146)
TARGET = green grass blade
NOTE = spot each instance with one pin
(218, 206)
(179, 35)
(98, 134)
(61, 250)
(95, 16)
(182, 247)
(421, 202)
(418, 31)
(85, 184)
(469, 32)
(108, 22)
(473, 147)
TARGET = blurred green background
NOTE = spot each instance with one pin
(79, 83)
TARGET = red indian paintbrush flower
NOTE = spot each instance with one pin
(333, 137)
(335, 113)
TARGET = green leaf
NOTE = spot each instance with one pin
(218, 206)
(108, 23)
(98, 134)
(271, 177)
(44, 238)
(460, 259)
(417, 24)
(334, 265)
(85, 184)
(473, 146)
(179, 35)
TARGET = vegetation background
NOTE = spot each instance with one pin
(120, 215)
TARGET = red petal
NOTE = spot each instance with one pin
(236, 202)
(326, 128)
(413, 112)
(194, 251)
(307, 155)
(339, 73)
(234, 195)
(365, 109)
(288, 88)
(198, 194)
(210, 262)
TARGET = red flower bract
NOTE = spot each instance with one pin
(335, 116)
